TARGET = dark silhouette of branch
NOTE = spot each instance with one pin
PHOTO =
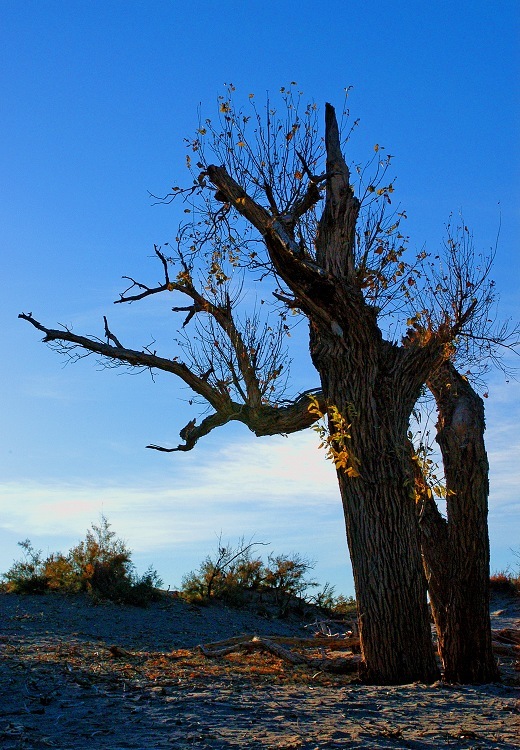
(260, 418)
(110, 336)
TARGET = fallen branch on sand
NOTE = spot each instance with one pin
(506, 642)
(278, 647)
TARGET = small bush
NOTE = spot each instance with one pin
(285, 576)
(110, 581)
(325, 598)
(342, 606)
(28, 575)
(237, 577)
(504, 582)
(345, 606)
(100, 565)
(227, 577)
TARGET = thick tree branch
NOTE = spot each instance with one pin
(284, 420)
(262, 419)
(264, 222)
(457, 559)
(237, 196)
(222, 314)
(191, 433)
(424, 350)
(306, 279)
(314, 287)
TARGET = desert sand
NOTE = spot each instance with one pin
(74, 675)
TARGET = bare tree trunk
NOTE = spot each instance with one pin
(394, 625)
(456, 551)
(380, 517)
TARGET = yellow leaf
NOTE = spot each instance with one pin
(241, 201)
(376, 147)
(184, 277)
(241, 144)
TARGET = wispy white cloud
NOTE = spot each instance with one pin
(281, 491)
(278, 490)
(236, 478)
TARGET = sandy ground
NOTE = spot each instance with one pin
(63, 686)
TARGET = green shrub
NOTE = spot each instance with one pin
(227, 577)
(345, 606)
(119, 584)
(507, 581)
(235, 576)
(28, 575)
(60, 574)
(100, 547)
(342, 606)
(99, 565)
(285, 577)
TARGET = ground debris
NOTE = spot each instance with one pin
(105, 678)
(280, 647)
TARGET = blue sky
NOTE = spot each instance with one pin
(97, 98)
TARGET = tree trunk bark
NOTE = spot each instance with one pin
(456, 551)
(394, 624)
(380, 517)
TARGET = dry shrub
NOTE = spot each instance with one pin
(237, 577)
(99, 565)
(504, 582)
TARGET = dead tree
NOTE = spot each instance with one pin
(280, 208)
